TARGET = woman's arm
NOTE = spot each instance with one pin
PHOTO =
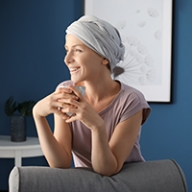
(56, 147)
(56, 151)
(109, 157)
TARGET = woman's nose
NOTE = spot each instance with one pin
(68, 58)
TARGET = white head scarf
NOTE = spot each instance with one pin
(100, 36)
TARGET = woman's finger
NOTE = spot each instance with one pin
(77, 91)
(63, 90)
(61, 114)
(68, 98)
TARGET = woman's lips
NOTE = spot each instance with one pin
(74, 69)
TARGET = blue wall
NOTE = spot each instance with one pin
(31, 61)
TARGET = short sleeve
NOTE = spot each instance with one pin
(134, 102)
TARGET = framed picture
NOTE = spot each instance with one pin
(146, 30)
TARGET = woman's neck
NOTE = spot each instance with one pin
(96, 92)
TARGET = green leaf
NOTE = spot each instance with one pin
(25, 108)
(10, 106)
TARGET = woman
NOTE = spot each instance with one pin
(104, 131)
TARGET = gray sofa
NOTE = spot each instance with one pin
(151, 176)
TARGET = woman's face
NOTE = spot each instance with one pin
(83, 62)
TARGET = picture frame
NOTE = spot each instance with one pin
(146, 30)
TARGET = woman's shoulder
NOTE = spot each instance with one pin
(129, 90)
(135, 100)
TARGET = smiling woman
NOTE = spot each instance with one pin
(104, 131)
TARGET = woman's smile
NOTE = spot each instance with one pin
(74, 69)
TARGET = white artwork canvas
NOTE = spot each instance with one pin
(146, 30)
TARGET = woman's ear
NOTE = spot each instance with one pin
(105, 61)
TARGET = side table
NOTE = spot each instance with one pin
(18, 150)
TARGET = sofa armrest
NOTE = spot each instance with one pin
(155, 176)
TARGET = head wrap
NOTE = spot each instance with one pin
(100, 36)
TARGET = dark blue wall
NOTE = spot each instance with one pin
(31, 61)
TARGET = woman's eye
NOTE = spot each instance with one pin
(78, 50)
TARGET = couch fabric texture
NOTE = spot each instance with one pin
(151, 176)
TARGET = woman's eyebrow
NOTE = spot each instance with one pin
(75, 45)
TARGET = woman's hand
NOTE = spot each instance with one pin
(52, 103)
(82, 111)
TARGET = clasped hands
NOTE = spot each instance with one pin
(68, 100)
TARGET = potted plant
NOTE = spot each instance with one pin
(18, 113)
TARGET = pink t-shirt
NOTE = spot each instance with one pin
(128, 102)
